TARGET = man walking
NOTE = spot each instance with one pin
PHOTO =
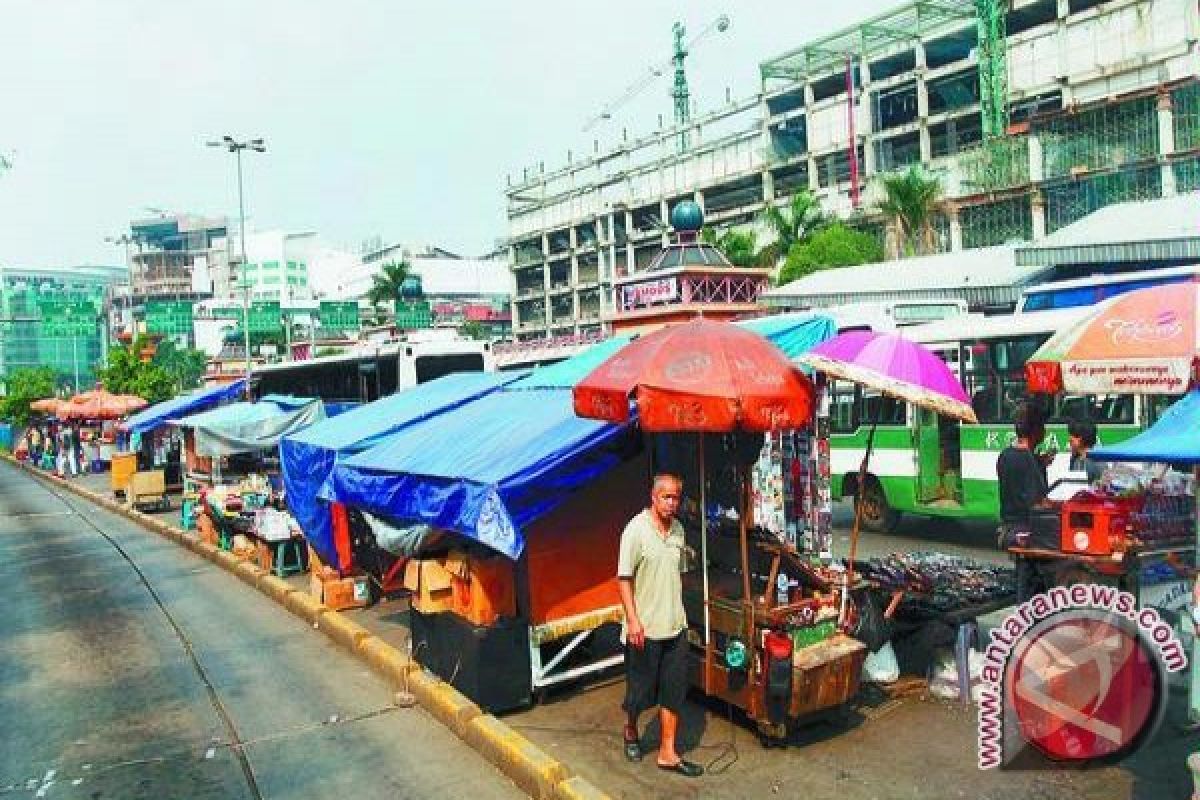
(648, 577)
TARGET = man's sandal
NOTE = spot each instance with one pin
(633, 750)
(685, 768)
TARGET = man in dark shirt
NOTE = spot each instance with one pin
(1022, 482)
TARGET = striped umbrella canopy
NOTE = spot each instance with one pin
(47, 405)
(894, 366)
(1143, 342)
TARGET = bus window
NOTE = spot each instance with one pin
(843, 407)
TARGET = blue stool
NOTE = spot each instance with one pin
(287, 557)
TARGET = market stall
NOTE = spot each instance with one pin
(762, 620)
(308, 457)
(1174, 439)
(232, 504)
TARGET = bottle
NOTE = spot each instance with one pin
(781, 589)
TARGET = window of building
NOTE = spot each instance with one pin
(894, 107)
(951, 92)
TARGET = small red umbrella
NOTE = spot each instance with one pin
(702, 376)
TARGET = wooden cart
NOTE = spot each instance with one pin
(148, 489)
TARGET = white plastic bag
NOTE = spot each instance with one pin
(881, 666)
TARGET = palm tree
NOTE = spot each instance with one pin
(740, 247)
(911, 201)
(793, 224)
(386, 284)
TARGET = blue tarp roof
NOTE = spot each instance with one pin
(794, 334)
(309, 456)
(161, 413)
(485, 471)
(1175, 438)
(565, 374)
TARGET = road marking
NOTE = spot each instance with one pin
(32, 514)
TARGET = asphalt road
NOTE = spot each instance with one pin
(131, 668)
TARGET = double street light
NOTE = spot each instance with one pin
(236, 147)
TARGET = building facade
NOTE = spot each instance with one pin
(1032, 114)
(172, 258)
(55, 317)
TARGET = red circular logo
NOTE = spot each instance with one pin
(1083, 688)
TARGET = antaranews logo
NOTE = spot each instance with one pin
(1078, 673)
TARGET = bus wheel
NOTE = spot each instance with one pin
(877, 515)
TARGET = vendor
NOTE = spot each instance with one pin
(1021, 473)
(1081, 434)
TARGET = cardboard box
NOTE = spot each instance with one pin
(435, 587)
(343, 593)
(487, 593)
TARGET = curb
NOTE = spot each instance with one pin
(527, 765)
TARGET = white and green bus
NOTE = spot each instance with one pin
(929, 465)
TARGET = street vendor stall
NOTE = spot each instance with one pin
(760, 617)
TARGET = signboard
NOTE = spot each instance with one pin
(169, 317)
(266, 317)
(414, 315)
(67, 317)
(341, 316)
(647, 293)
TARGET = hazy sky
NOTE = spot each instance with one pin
(381, 118)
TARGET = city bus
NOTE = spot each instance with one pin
(929, 465)
(890, 316)
(369, 370)
(1093, 289)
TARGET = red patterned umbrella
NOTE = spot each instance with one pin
(702, 376)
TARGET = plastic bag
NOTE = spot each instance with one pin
(881, 666)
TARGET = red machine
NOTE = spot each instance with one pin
(1097, 525)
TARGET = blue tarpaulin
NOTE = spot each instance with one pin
(308, 456)
(794, 334)
(178, 407)
(1175, 438)
(565, 374)
(486, 470)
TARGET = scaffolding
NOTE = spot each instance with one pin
(1109, 136)
(1003, 222)
(995, 164)
(1071, 200)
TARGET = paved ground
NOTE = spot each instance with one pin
(195, 687)
(916, 747)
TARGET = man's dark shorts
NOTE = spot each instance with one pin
(656, 675)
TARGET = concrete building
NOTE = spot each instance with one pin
(277, 267)
(173, 255)
(55, 317)
(1090, 103)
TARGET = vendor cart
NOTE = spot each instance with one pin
(762, 626)
(148, 488)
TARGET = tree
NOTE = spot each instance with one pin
(474, 330)
(911, 201)
(740, 247)
(185, 365)
(834, 246)
(24, 385)
(387, 283)
(126, 373)
(791, 225)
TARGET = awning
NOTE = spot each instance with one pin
(248, 427)
(486, 470)
(308, 457)
(161, 413)
(1175, 438)
(794, 334)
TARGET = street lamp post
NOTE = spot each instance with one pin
(236, 147)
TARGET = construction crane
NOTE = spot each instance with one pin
(993, 66)
(679, 90)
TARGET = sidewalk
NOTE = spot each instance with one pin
(907, 747)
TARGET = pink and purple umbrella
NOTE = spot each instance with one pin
(894, 366)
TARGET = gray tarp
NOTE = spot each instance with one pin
(247, 427)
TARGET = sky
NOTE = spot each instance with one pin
(393, 119)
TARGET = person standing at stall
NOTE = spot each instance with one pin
(648, 578)
(1021, 474)
(1081, 434)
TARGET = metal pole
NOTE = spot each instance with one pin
(245, 270)
(75, 357)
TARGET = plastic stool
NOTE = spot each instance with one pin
(281, 565)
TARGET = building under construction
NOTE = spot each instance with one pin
(1033, 113)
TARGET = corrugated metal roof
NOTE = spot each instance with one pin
(984, 276)
(1167, 228)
